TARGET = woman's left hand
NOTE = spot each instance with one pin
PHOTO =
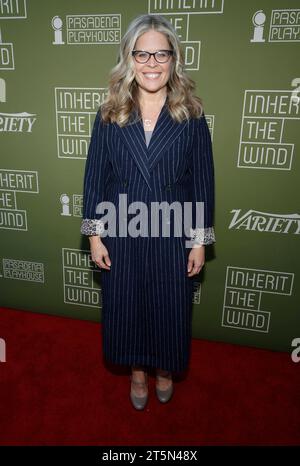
(196, 260)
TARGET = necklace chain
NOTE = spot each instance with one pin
(147, 122)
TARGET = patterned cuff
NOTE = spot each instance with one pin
(92, 227)
(202, 236)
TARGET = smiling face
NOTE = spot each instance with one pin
(152, 76)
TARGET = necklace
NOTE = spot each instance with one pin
(147, 122)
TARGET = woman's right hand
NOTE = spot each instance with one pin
(99, 253)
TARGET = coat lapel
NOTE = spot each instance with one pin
(164, 134)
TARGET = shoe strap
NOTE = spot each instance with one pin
(138, 382)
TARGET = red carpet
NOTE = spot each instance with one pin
(55, 390)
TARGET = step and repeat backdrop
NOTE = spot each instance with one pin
(55, 57)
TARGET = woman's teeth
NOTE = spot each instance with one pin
(152, 75)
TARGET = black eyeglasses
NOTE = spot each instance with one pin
(161, 56)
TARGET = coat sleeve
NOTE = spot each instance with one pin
(95, 176)
(202, 185)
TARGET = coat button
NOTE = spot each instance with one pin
(168, 186)
(125, 183)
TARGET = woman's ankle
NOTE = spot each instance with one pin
(138, 368)
(163, 373)
(138, 372)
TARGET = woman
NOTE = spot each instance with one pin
(150, 144)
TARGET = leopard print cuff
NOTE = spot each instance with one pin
(92, 227)
(203, 235)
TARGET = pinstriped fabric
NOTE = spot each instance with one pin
(147, 295)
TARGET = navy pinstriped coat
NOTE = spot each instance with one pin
(147, 294)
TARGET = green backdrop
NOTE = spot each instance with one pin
(244, 56)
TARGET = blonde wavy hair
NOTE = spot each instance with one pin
(122, 97)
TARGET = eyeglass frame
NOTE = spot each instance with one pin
(171, 52)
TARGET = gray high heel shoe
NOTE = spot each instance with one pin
(164, 395)
(139, 402)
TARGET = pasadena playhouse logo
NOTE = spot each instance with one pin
(17, 269)
(284, 26)
(88, 29)
(265, 116)
(11, 183)
(254, 220)
(82, 279)
(71, 206)
(244, 290)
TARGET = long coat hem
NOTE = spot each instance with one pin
(149, 362)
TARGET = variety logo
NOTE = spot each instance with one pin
(253, 220)
(17, 122)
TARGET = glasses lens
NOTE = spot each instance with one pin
(162, 56)
(141, 57)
